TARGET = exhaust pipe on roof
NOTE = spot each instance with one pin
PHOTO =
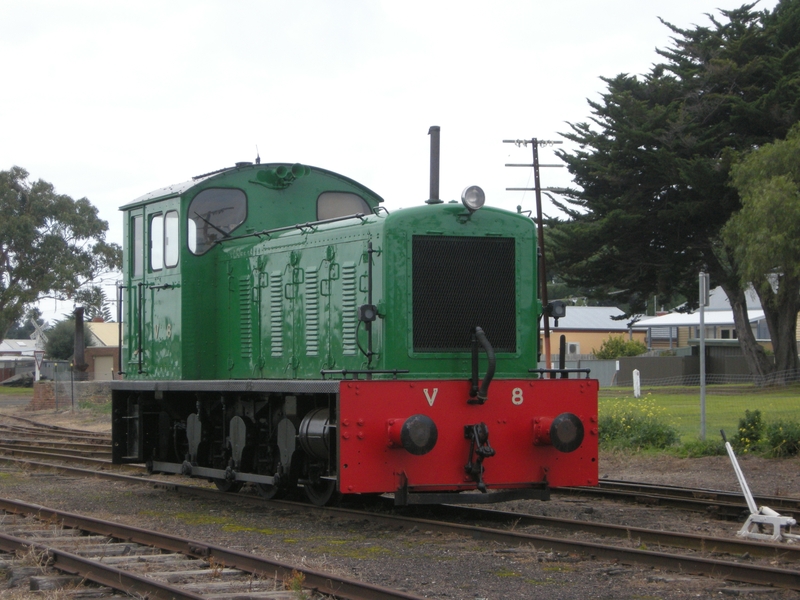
(434, 133)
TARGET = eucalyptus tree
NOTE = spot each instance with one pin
(765, 234)
(50, 244)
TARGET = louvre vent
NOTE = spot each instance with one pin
(276, 313)
(349, 309)
(245, 318)
(459, 283)
(312, 314)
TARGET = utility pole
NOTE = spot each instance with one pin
(535, 143)
(704, 291)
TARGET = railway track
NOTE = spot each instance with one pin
(695, 554)
(70, 449)
(144, 563)
(34, 428)
(722, 504)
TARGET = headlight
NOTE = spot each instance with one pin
(473, 198)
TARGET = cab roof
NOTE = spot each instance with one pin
(177, 189)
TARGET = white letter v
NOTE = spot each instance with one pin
(431, 399)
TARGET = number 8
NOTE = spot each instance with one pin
(516, 396)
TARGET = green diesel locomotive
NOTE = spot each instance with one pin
(282, 329)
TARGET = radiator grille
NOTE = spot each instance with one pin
(459, 283)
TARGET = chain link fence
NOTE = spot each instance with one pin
(721, 383)
(63, 378)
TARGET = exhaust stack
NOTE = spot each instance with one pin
(434, 197)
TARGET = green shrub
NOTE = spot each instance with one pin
(635, 424)
(617, 346)
(782, 438)
(749, 433)
(698, 448)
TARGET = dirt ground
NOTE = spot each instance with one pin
(765, 477)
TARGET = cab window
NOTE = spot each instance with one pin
(138, 246)
(331, 205)
(213, 215)
(157, 242)
(171, 239)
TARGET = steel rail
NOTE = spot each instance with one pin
(755, 574)
(90, 447)
(56, 428)
(786, 503)
(688, 541)
(326, 583)
(730, 506)
(56, 435)
(23, 446)
(78, 470)
(99, 462)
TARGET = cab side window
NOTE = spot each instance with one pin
(171, 248)
(331, 205)
(164, 249)
(213, 215)
(137, 233)
(157, 242)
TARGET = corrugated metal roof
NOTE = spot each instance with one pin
(25, 347)
(710, 318)
(597, 318)
(718, 299)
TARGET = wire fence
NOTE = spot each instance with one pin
(731, 382)
(63, 378)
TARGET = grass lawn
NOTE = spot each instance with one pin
(725, 405)
(15, 391)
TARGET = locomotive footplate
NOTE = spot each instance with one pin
(199, 472)
(403, 497)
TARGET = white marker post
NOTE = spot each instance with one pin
(637, 384)
(38, 356)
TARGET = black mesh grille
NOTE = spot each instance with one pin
(459, 283)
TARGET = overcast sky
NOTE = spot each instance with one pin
(111, 100)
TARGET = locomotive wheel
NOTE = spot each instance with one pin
(270, 492)
(321, 493)
(223, 485)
